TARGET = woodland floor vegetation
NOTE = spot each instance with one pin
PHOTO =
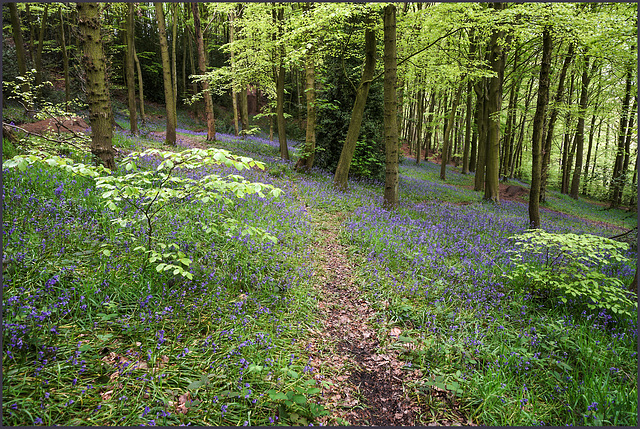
(298, 332)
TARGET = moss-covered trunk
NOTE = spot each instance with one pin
(97, 90)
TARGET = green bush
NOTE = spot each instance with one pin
(568, 264)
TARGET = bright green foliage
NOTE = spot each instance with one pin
(569, 264)
(150, 191)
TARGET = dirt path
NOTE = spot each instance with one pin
(369, 387)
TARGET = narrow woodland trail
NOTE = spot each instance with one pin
(370, 385)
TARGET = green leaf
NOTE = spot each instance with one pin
(106, 252)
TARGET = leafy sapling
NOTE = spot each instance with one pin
(570, 264)
(151, 191)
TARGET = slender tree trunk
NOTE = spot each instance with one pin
(131, 85)
(467, 133)
(170, 138)
(202, 63)
(19, 43)
(474, 140)
(89, 21)
(282, 137)
(483, 118)
(575, 182)
(38, 61)
(567, 146)
(627, 148)
(234, 95)
(447, 134)
(419, 125)
(174, 64)
(538, 123)
(342, 170)
(32, 31)
(244, 109)
(308, 154)
(516, 167)
(585, 173)
(65, 61)
(143, 118)
(194, 84)
(634, 179)
(390, 109)
(429, 130)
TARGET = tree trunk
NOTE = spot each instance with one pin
(585, 172)
(517, 159)
(143, 118)
(342, 170)
(97, 87)
(627, 148)
(575, 182)
(234, 95)
(131, 85)
(282, 137)
(65, 61)
(481, 92)
(170, 138)
(447, 134)
(19, 43)
(390, 109)
(467, 132)
(40, 44)
(429, 131)
(494, 104)
(538, 123)
(202, 63)
(567, 145)
(308, 154)
(174, 72)
(244, 109)
(419, 125)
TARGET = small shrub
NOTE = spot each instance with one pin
(569, 264)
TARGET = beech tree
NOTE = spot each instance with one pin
(390, 108)
(98, 98)
(170, 138)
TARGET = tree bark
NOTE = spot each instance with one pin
(627, 148)
(174, 63)
(143, 118)
(19, 43)
(390, 109)
(467, 132)
(282, 137)
(170, 138)
(429, 130)
(97, 87)
(65, 60)
(342, 170)
(131, 86)
(494, 104)
(575, 182)
(234, 95)
(202, 63)
(538, 123)
(419, 117)
(308, 153)
(38, 61)
(446, 141)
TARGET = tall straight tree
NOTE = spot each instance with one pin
(202, 63)
(131, 85)
(615, 194)
(390, 109)
(65, 59)
(362, 91)
(575, 182)
(494, 104)
(19, 42)
(89, 24)
(282, 137)
(38, 61)
(308, 153)
(446, 140)
(538, 123)
(170, 138)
